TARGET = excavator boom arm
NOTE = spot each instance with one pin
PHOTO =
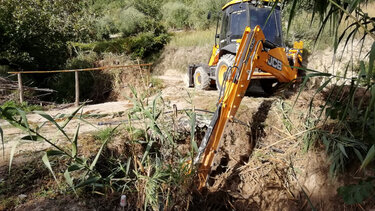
(252, 54)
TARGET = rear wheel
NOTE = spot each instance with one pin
(225, 61)
(201, 79)
(268, 85)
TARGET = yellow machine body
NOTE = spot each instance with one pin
(240, 1)
(251, 55)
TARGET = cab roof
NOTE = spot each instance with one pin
(239, 1)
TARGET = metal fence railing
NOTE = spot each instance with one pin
(76, 72)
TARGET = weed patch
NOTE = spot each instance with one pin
(24, 106)
(140, 160)
(104, 134)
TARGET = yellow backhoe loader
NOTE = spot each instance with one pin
(236, 16)
(256, 57)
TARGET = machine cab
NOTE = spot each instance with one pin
(237, 16)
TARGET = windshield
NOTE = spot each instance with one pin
(236, 18)
(272, 30)
(238, 23)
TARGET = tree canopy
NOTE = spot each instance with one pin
(34, 34)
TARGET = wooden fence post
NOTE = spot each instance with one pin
(77, 89)
(149, 75)
(20, 88)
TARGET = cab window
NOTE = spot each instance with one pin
(271, 29)
(238, 23)
(224, 26)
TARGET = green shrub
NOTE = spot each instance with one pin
(34, 34)
(307, 32)
(117, 46)
(150, 8)
(142, 46)
(23, 106)
(105, 26)
(64, 84)
(82, 60)
(146, 44)
(200, 10)
(128, 21)
(104, 134)
(4, 69)
(176, 15)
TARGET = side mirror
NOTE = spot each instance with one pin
(209, 15)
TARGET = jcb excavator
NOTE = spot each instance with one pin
(236, 16)
(257, 55)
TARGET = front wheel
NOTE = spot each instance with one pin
(226, 61)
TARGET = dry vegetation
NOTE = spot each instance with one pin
(185, 48)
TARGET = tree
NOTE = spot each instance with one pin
(34, 34)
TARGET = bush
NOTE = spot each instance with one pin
(142, 46)
(146, 44)
(105, 27)
(200, 10)
(4, 69)
(23, 106)
(64, 84)
(117, 46)
(33, 35)
(126, 21)
(176, 15)
(161, 178)
(150, 8)
(130, 21)
(82, 60)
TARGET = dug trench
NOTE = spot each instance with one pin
(234, 153)
(261, 165)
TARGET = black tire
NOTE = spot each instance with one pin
(268, 85)
(186, 80)
(201, 79)
(227, 60)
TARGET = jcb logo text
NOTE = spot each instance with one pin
(275, 63)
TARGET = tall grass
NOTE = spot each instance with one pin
(186, 48)
(193, 38)
(346, 120)
(153, 172)
(299, 30)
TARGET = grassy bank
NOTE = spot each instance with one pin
(196, 38)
